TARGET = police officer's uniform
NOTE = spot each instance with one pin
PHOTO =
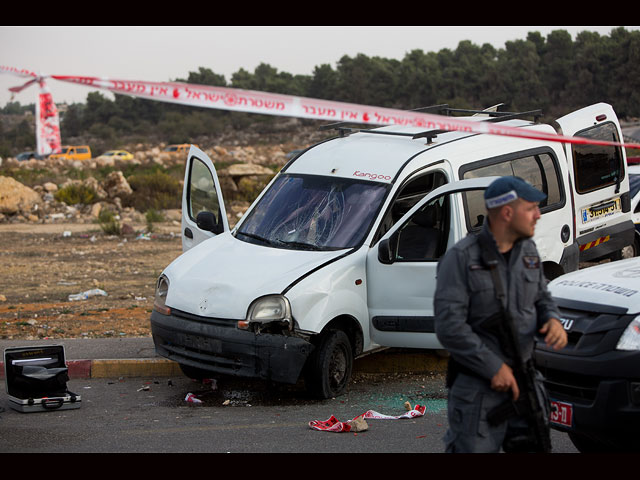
(465, 297)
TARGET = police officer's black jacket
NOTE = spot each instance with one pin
(465, 297)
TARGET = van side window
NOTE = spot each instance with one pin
(597, 166)
(424, 237)
(408, 195)
(202, 191)
(539, 169)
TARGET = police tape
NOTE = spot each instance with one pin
(332, 424)
(251, 101)
(48, 138)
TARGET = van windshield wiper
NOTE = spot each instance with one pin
(304, 245)
(257, 237)
(277, 242)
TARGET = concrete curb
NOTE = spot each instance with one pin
(381, 363)
(116, 368)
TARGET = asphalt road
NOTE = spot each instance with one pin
(150, 415)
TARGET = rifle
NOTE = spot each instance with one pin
(529, 404)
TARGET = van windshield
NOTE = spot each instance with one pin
(309, 212)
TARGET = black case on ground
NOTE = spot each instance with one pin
(36, 379)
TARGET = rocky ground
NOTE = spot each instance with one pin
(43, 266)
(50, 251)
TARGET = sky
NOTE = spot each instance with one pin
(166, 53)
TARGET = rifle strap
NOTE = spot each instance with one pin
(490, 258)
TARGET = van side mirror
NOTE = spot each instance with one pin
(207, 221)
(387, 250)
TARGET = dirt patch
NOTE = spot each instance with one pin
(42, 265)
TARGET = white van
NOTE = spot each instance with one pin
(338, 255)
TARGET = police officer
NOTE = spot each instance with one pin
(465, 297)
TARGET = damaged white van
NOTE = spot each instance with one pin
(338, 255)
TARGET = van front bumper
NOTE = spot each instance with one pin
(218, 346)
(602, 392)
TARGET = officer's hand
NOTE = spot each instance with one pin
(555, 335)
(503, 381)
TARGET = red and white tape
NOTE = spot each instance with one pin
(48, 137)
(251, 101)
(332, 424)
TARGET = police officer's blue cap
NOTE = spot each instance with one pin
(507, 189)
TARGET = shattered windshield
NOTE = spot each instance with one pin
(308, 212)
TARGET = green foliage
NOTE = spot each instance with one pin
(151, 217)
(76, 193)
(249, 188)
(108, 223)
(156, 190)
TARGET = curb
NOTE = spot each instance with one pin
(401, 362)
(393, 362)
(84, 369)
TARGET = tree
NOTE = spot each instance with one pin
(519, 64)
(368, 81)
(205, 76)
(323, 83)
(556, 56)
(624, 72)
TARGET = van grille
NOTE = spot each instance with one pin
(220, 322)
(578, 387)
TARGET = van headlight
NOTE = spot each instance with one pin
(270, 309)
(630, 338)
(162, 288)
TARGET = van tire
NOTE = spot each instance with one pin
(629, 251)
(551, 270)
(329, 367)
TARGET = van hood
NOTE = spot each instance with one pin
(221, 276)
(614, 284)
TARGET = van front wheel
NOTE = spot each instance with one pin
(329, 367)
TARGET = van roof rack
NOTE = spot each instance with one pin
(499, 116)
(494, 116)
(493, 112)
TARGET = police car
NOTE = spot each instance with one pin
(337, 257)
(634, 192)
(594, 382)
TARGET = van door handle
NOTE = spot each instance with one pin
(188, 233)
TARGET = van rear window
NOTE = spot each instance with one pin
(537, 168)
(597, 166)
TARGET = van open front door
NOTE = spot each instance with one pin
(203, 212)
(402, 267)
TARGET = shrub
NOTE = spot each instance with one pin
(152, 216)
(108, 223)
(156, 190)
(76, 193)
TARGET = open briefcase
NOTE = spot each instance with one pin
(36, 379)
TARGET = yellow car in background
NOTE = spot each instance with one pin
(73, 152)
(178, 149)
(116, 155)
